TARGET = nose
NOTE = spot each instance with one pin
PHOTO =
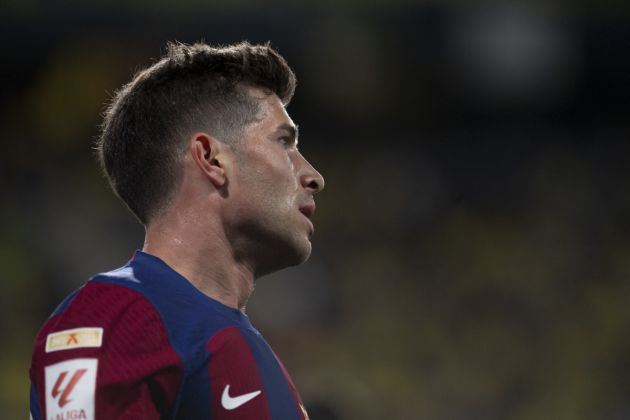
(310, 179)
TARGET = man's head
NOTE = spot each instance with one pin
(192, 88)
(204, 120)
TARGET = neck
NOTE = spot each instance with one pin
(203, 256)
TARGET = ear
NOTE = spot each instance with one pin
(208, 154)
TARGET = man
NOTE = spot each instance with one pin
(200, 148)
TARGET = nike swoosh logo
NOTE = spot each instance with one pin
(230, 403)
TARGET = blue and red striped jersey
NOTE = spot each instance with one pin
(141, 342)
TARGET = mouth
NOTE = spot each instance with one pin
(308, 210)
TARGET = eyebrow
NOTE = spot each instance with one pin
(292, 129)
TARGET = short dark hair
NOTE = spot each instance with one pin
(192, 87)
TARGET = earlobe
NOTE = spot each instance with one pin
(208, 155)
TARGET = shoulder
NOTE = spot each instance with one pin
(111, 343)
(186, 313)
(103, 305)
(100, 319)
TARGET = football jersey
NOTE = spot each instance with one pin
(141, 342)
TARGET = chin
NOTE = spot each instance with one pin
(305, 252)
(285, 254)
(297, 251)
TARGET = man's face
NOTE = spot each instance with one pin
(273, 191)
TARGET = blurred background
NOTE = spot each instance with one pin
(472, 249)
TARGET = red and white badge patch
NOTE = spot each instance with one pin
(70, 389)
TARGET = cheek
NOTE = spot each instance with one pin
(271, 177)
(281, 189)
(281, 174)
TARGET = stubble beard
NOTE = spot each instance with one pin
(273, 242)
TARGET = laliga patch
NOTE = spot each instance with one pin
(70, 389)
(74, 339)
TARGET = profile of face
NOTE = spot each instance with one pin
(273, 187)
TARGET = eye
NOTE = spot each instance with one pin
(286, 141)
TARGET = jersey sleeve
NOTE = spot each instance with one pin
(104, 355)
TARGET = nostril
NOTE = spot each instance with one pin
(312, 181)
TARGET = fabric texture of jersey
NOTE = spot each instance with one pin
(141, 342)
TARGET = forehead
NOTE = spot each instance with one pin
(271, 111)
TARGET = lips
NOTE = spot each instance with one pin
(308, 209)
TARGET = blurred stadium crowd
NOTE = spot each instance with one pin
(472, 247)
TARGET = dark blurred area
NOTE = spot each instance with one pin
(472, 246)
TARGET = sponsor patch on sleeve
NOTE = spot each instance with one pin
(75, 338)
(71, 389)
